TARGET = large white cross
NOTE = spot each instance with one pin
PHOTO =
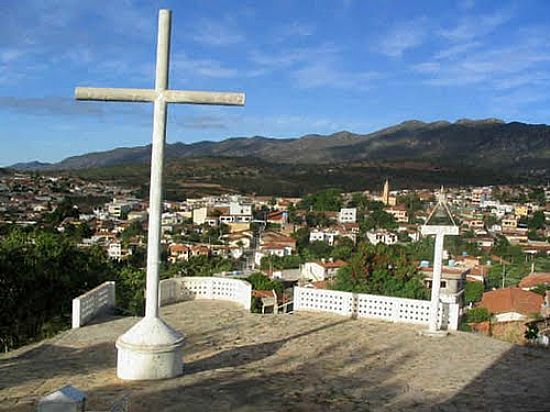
(160, 96)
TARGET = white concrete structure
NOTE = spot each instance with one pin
(195, 288)
(373, 307)
(237, 209)
(347, 215)
(152, 349)
(382, 236)
(324, 235)
(93, 303)
(323, 270)
(440, 232)
(66, 399)
(199, 215)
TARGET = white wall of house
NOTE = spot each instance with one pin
(509, 316)
(199, 215)
(347, 215)
(313, 271)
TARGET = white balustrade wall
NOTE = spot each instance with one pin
(371, 306)
(92, 303)
(190, 288)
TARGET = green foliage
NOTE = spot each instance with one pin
(302, 238)
(378, 219)
(64, 209)
(281, 262)
(509, 252)
(325, 200)
(537, 195)
(412, 202)
(130, 290)
(134, 229)
(316, 250)
(40, 274)
(343, 249)
(259, 281)
(200, 265)
(532, 332)
(512, 275)
(314, 219)
(476, 315)
(473, 292)
(536, 222)
(382, 270)
(541, 289)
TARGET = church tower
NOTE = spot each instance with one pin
(386, 193)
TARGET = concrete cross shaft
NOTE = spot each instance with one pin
(160, 96)
(440, 231)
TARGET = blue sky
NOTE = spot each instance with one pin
(306, 67)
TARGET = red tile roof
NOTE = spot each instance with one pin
(511, 300)
(534, 279)
(332, 265)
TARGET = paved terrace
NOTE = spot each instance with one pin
(304, 362)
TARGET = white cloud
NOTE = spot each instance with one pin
(326, 74)
(475, 26)
(293, 30)
(216, 33)
(402, 37)
(186, 66)
(285, 58)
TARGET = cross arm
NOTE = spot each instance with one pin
(195, 97)
(115, 95)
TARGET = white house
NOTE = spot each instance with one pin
(324, 235)
(116, 252)
(236, 208)
(323, 270)
(199, 215)
(347, 215)
(381, 236)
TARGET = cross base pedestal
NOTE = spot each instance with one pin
(150, 350)
(433, 334)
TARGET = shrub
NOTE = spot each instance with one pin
(476, 315)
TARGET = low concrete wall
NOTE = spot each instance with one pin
(190, 288)
(371, 306)
(92, 303)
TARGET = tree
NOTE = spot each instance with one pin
(537, 195)
(41, 273)
(379, 219)
(259, 281)
(381, 270)
(134, 229)
(325, 200)
(536, 222)
(343, 249)
(130, 290)
(317, 250)
(477, 315)
(473, 292)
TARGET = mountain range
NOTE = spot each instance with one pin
(516, 148)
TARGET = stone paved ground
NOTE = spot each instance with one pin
(237, 361)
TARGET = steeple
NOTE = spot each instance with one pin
(386, 193)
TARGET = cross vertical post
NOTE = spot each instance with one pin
(157, 167)
(440, 231)
(151, 349)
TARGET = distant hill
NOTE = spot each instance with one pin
(31, 166)
(515, 147)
